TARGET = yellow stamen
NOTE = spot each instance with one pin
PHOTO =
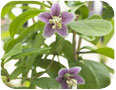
(56, 21)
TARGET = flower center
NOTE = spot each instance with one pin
(67, 76)
(72, 83)
(56, 21)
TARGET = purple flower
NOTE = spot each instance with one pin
(69, 78)
(56, 21)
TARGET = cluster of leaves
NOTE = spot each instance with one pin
(30, 56)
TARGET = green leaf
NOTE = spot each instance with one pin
(37, 43)
(46, 83)
(96, 39)
(56, 47)
(88, 38)
(92, 27)
(53, 71)
(68, 50)
(96, 75)
(108, 37)
(106, 51)
(15, 50)
(36, 26)
(11, 15)
(88, 47)
(111, 70)
(74, 6)
(11, 4)
(83, 12)
(95, 17)
(108, 13)
(16, 73)
(30, 51)
(21, 19)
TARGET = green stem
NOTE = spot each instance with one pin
(74, 45)
(74, 41)
(87, 52)
(5, 71)
(78, 46)
(49, 66)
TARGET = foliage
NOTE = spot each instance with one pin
(31, 51)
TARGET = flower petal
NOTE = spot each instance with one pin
(48, 31)
(59, 79)
(55, 10)
(62, 72)
(64, 85)
(79, 79)
(67, 17)
(45, 17)
(74, 70)
(63, 32)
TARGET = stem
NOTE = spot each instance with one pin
(59, 61)
(74, 41)
(26, 78)
(85, 52)
(74, 45)
(79, 45)
(5, 72)
(49, 66)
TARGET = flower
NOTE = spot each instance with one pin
(56, 21)
(69, 78)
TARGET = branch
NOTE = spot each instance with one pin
(74, 41)
(74, 45)
(86, 52)
(79, 45)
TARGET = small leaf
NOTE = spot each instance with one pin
(21, 19)
(15, 50)
(83, 12)
(46, 83)
(106, 51)
(92, 27)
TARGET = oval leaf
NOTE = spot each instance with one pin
(92, 27)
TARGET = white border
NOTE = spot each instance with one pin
(111, 2)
